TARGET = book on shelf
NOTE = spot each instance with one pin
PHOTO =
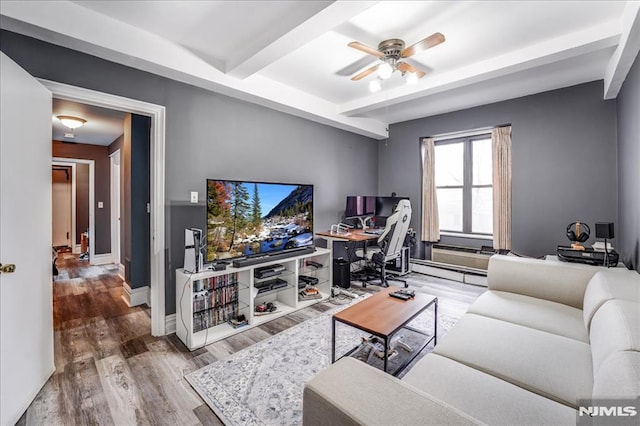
(309, 293)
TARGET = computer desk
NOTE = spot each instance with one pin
(352, 238)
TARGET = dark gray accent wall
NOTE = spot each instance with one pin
(627, 229)
(564, 161)
(209, 135)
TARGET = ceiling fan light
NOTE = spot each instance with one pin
(385, 70)
(71, 122)
(374, 86)
(411, 77)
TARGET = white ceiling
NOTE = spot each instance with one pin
(293, 55)
(103, 125)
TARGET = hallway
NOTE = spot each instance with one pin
(109, 369)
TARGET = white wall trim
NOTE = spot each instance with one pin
(170, 323)
(101, 259)
(76, 249)
(115, 214)
(157, 114)
(92, 195)
(121, 271)
(135, 296)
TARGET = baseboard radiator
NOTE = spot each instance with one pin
(462, 256)
(463, 264)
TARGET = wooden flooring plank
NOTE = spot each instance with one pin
(122, 394)
(207, 416)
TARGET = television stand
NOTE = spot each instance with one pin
(213, 305)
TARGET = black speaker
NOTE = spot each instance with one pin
(341, 273)
(604, 230)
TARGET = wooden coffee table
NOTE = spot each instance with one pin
(383, 316)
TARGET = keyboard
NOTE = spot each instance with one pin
(374, 231)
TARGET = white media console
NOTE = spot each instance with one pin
(205, 301)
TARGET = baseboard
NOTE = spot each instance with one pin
(135, 296)
(121, 271)
(101, 259)
(76, 249)
(450, 273)
(170, 324)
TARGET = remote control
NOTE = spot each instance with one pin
(314, 264)
(400, 296)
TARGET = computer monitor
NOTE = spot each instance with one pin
(359, 205)
(385, 206)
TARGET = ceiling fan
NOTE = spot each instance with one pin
(391, 52)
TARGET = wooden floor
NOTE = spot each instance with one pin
(111, 371)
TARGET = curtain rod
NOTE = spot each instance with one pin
(464, 133)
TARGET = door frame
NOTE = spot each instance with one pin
(73, 200)
(115, 207)
(92, 221)
(157, 178)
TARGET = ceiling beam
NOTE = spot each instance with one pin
(268, 51)
(626, 52)
(75, 27)
(560, 48)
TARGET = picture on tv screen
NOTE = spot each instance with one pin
(252, 218)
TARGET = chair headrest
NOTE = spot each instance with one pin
(402, 205)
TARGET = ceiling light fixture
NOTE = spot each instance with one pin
(71, 122)
(385, 70)
(374, 86)
(411, 78)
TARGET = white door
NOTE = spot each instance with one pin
(61, 199)
(26, 305)
(115, 207)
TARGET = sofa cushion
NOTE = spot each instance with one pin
(615, 327)
(560, 282)
(618, 376)
(466, 389)
(553, 366)
(531, 312)
(614, 283)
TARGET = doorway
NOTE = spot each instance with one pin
(62, 207)
(156, 205)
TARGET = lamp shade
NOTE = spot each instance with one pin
(604, 230)
(71, 122)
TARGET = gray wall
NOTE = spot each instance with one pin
(627, 229)
(213, 136)
(564, 161)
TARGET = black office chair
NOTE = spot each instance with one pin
(390, 244)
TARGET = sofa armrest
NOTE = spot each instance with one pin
(544, 279)
(351, 392)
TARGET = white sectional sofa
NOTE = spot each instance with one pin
(543, 336)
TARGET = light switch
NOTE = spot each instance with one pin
(100, 204)
(194, 196)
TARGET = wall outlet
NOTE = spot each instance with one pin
(194, 196)
(100, 204)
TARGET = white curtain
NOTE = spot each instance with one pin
(430, 221)
(501, 150)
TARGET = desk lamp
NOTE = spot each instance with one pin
(605, 230)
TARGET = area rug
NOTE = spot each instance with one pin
(263, 383)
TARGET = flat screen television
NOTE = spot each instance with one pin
(247, 218)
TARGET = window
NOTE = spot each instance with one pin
(463, 178)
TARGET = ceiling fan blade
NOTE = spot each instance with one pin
(365, 73)
(366, 49)
(403, 66)
(433, 40)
